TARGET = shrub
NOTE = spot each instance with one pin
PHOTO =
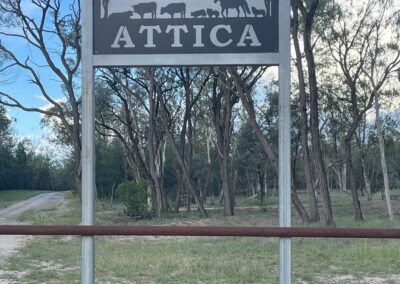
(134, 196)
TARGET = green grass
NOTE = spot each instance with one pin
(8, 197)
(205, 260)
(67, 216)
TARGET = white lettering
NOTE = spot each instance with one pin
(150, 34)
(123, 36)
(249, 33)
(199, 36)
(213, 35)
(177, 34)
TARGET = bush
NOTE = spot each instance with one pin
(134, 196)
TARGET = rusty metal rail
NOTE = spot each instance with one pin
(200, 231)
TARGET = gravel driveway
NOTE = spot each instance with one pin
(8, 244)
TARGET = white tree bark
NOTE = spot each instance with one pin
(383, 158)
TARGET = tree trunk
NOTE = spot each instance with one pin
(185, 172)
(78, 171)
(308, 17)
(314, 214)
(350, 171)
(222, 102)
(248, 104)
(153, 148)
(344, 177)
(265, 181)
(383, 158)
(315, 137)
(178, 190)
(299, 205)
(226, 189)
(186, 175)
(366, 179)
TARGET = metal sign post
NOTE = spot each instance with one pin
(88, 145)
(284, 141)
(189, 33)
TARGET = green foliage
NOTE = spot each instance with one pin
(134, 197)
(110, 165)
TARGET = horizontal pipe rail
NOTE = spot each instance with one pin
(199, 231)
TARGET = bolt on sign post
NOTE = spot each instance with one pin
(184, 33)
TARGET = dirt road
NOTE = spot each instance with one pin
(8, 244)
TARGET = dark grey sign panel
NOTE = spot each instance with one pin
(201, 27)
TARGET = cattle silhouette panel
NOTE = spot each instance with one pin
(212, 13)
(145, 8)
(233, 4)
(199, 13)
(174, 8)
(258, 12)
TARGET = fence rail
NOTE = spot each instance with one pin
(293, 232)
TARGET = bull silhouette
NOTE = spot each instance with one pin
(145, 8)
(233, 4)
(174, 8)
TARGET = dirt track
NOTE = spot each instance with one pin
(8, 244)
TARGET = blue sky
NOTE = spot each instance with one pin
(27, 124)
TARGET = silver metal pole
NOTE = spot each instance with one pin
(284, 141)
(88, 146)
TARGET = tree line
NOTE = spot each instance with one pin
(196, 133)
(22, 167)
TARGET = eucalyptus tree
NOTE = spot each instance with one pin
(382, 63)
(193, 82)
(222, 103)
(244, 81)
(161, 89)
(122, 113)
(308, 11)
(51, 35)
(131, 113)
(350, 40)
(309, 176)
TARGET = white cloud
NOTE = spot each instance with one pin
(43, 145)
(8, 113)
(41, 97)
(49, 105)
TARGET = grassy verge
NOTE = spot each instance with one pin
(8, 197)
(206, 260)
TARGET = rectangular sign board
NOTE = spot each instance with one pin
(185, 32)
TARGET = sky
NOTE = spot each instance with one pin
(28, 123)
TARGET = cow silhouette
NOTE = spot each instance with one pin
(258, 12)
(174, 8)
(233, 4)
(212, 13)
(199, 13)
(145, 8)
(127, 15)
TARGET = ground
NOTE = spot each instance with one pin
(213, 260)
(9, 244)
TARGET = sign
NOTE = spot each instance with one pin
(199, 32)
(185, 32)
